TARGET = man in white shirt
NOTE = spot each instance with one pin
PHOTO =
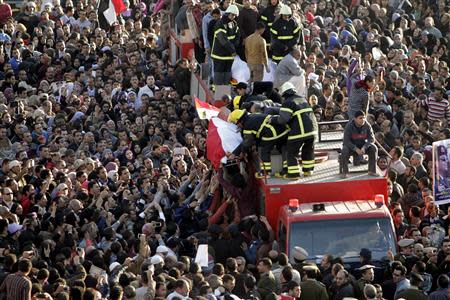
(82, 21)
(181, 290)
(396, 163)
(149, 89)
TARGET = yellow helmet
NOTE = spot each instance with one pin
(236, 115)
(236, 102)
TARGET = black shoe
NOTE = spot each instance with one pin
(292, 176)
(363, 162)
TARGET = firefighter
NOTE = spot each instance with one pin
(299, 116)
(225, 42)
(268, 16)
(285, 34)
(257, 130)
(243, 96)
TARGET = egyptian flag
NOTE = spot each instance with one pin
(205, 110)
(108, 10)
(222, 137)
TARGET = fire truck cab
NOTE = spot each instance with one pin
(325, 214)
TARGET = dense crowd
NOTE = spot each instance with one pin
(106, 192)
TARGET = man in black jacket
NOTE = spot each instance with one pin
(358, 140)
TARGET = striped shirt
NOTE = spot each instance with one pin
(17, 286)
(437, 110)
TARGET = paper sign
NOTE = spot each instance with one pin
(202, 255)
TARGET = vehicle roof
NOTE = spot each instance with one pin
(328, 170)
(360, 209)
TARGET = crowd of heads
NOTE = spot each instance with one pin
(106, 191)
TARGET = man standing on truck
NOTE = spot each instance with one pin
(359, 140)
(299, 116)
(256, 127)
(285, 33)
(224, 46)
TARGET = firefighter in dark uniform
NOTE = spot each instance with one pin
(226, 41)
(268, 16)
(285, 33)
(244, 97)
(257, 130)
(299, 116)
(311, 288)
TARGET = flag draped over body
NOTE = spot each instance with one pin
(222, 137)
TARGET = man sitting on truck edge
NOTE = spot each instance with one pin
(358, 140)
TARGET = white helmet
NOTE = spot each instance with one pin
(286, 87)
(232, 9)
(285, 10)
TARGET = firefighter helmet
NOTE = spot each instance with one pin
(236, 102)
(232, 9)
(286, 87)
(285, 10)
(236, 115)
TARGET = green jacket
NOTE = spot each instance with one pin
(412, 294)
(313, 290)
(266, 285)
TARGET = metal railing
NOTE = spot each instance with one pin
(322, 124)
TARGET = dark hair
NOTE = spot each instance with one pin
(291, 285)
(227, 278)
(267, 262)
(250, 282)
(260, 25)
(287, 273)
(443, 281)
(401, 268)
(24, 265)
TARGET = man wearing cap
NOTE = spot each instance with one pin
(310, 287)
(299, 255)
(359, 140)
(367, 277)
(413, 292)
(406, 256)
(224, 46)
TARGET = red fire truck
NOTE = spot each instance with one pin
(326, 214)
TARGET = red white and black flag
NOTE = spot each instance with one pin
(108, 10)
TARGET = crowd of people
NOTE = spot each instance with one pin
(106, 191)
